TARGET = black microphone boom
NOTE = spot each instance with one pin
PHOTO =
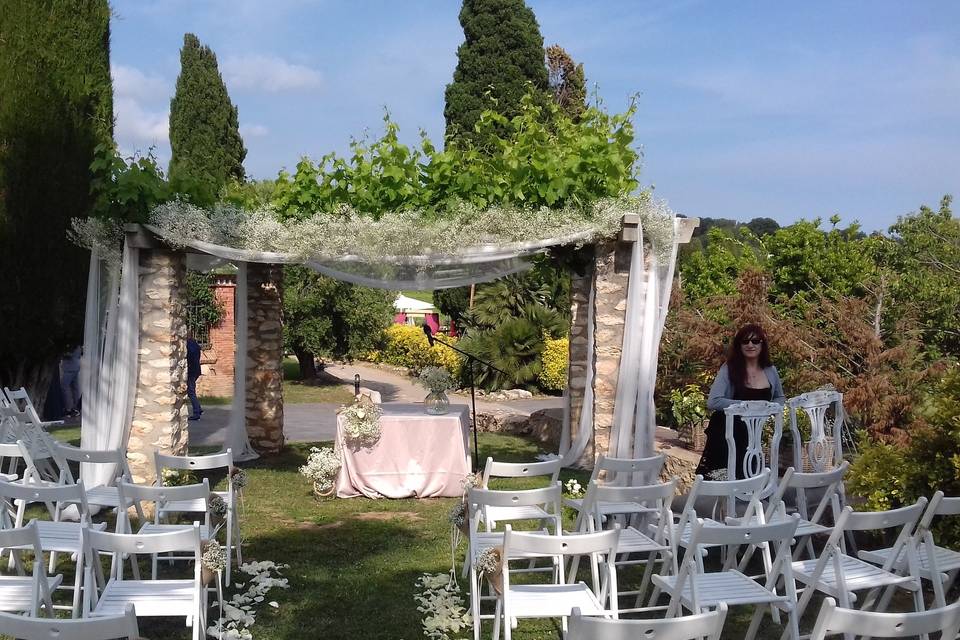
(427, 330)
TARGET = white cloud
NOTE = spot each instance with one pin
(129, 82)
(136, 125)
(253, 130)
(268, 73)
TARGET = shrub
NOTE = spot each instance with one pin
(877, 476)
(407, 346)
(555, 358)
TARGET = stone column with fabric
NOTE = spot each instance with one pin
(579, 356)
(160, 409)
(264, 409)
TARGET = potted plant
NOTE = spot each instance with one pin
(689, 408)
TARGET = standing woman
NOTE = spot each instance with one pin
(746, 375)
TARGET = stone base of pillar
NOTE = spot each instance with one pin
(264, 410)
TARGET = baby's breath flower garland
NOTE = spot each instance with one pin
(321, 468)
(361, 421)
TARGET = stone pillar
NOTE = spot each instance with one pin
(264, 357)
(579, 356)
(160, 414)
(612, 273)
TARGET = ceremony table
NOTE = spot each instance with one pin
(418, 455)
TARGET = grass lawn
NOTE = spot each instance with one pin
(422, 296)
(353, 563)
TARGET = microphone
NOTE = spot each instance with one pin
(429, 333)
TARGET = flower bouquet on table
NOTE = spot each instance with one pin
(361, 421)
(438, 380)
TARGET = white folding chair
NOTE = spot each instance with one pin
(557, 600)
(835, 620)
(761, 453)
(492, 469)
(480, 540)
(21, 593)
(159, 500)
(20, 399)
(695, 627)
(620, 472)
(937, 564)
(841, 576)
(209, 462)
(696, 590)
(152, 598)
(55, 535)
(653, 499)
(102, 495)
(105, 628)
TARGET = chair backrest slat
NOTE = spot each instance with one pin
(495, 469)
(695, 627)
(836, 620)
(99, 628)
(604, 542)
(222, 460)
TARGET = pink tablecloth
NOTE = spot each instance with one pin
(418, 455)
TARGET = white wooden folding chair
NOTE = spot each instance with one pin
(223, 460)
(659, 546)
(152, 598)
(695, 589)
(20, 399)
(21, 593)
(835, 620)
(557, 600)
(101, 495)
(159, 500)
(492, 469)
(761, 452)
(619, 472)
(55, 535)
(695, 627)
(105, 628)
(939, 565)
(841, 576)
(480, 540)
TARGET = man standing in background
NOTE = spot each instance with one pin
(70, 381)
(193, 372)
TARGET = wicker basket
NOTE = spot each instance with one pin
(693, 436)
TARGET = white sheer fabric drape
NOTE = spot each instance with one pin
(570, 452)
(236, 437)
(111, 345)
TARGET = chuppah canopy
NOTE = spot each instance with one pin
(371, 254)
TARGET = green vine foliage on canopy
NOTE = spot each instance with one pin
(538, 158)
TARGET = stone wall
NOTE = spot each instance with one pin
(160, 409)
(265, 357)
(217, 358)
(579, 356)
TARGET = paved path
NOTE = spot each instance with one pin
(315, 422)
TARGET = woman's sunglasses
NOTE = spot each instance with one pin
(752, 341)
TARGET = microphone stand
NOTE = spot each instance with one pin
(473, 390)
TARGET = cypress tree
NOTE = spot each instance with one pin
(204, 128)
(568, 87)
(501, 54)
(55, 108)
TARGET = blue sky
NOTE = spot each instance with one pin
(786, 110)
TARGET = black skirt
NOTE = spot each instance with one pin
(715, 448)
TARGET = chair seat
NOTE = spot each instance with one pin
(729, 586)
(170, 528)
(64, 536)
(610, 508)
(553, 600)
(103, 496)
(857, 575)
(197, 505)
(16, 592)
(151, 598)
(487, 540)
(632, 541)
(501, 514)
(947, 559)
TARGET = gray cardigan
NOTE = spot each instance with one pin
(721, 391)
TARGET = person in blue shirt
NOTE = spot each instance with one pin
(193, 372)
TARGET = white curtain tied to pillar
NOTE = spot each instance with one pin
(571, 452)
(111, 342)
(237, 430)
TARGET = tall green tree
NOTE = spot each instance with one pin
(568, 86)
(501, 56)
(207, 150)
(55, 108)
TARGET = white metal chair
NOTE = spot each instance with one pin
(620, 472)
(835, 620)
(937, 564)
(158, 501)
(695, 627)
(210, 462)
(152, 598)
(654, 499)
(558, 600)
(479, 540)
(824, 447)
(105, 628)
(841, 576)
(492, 469)
(697, 590)
(55, 536)
(21, 593)
(99, 496)
(759, 455)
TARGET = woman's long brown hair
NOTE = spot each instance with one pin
(736, 363)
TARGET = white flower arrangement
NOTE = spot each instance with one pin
(238, 611)
(573, 488)
(361, 421)
(239, 477)
(458, 515)
(471, 481)
(718, 474)
(437, 379)
(489, 561)
(214, 557)
(218, 506)
(321, 468)
(439, 599)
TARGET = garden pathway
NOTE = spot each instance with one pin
(315, 422)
